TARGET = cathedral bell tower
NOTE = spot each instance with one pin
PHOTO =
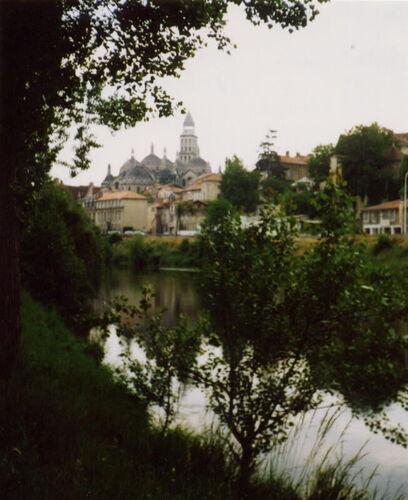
(188, 141)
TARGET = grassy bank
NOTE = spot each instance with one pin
(69, 430)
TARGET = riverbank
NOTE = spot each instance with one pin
(170, 252)
(69, 429)
(142, 252)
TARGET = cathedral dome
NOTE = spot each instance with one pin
(139, 175)
(151, 161)
(128, 166)
(166, 164)
(197, 163)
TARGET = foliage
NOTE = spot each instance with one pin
(62, 255)
(300, 203)
(73, 64)
(269, 160)
(170, 354)
(217, 210)
(69, 429)
(274, 179)
(283, 328)
(141, 252)
(101, 62)
(367, 163)
(318, 162)
(384, 242)
(239, 186)
(403, 170)
(273, 187)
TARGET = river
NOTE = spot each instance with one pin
(178, 292)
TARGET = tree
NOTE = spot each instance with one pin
(269, 160)
(239, 186)
(217, 210)
(367, 163)
(83, 62)
(289, 327)
(284, 329)
(274, 180)
(318, 162)
(61, 255)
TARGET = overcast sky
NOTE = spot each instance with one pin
(348, 67)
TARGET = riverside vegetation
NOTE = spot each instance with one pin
(71, 429)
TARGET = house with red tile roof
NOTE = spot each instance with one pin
(385, 218)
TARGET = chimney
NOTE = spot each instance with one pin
(287, 153)
(297, 155)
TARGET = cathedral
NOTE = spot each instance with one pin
(136, 176)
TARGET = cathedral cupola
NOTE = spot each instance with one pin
(188, 141)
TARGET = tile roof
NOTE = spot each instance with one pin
(387, 205)
(208, 177)
(294, 160)
(121, 195)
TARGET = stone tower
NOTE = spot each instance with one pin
(188, 142)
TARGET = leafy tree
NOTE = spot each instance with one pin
(367, 163)
(269, 160)
(290, 327)
(82, 62)
(239, 186)
(284, 329)
(217, 211)
(274, 180)
(300, 203)
(403, 171)
(318, 162)
(61, 255)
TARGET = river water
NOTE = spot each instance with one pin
(178, 292)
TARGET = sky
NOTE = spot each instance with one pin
(348, 67)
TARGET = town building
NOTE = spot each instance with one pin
(182, 211)
(296, 166)
(385, 218)
(120, 211)
(137, 176)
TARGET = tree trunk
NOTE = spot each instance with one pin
(11, 144)
(9, 270)
(246, 468)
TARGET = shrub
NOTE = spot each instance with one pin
(384, 242)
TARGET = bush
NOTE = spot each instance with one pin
(62, 255)
(384, 242)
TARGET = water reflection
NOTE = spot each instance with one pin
(174, 291)
(178, 293)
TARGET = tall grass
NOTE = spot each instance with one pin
(323, 473)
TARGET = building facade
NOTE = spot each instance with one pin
(120, 211)
(385, 218)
